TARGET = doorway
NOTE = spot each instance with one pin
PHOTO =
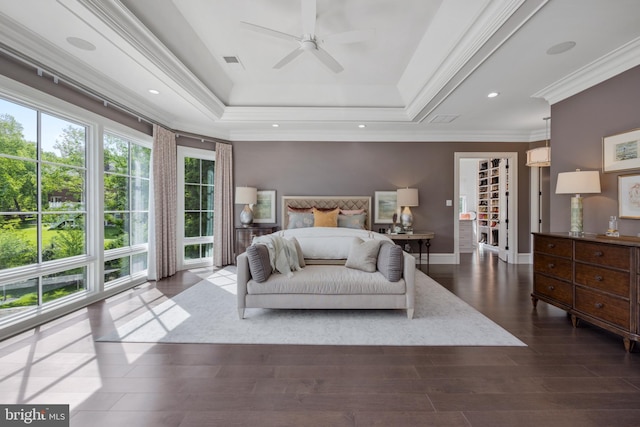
(502, 216)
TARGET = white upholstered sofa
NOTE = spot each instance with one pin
(327, 281)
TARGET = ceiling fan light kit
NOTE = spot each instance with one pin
(308, 41)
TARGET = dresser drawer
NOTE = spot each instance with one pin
(553, 246)
(554, 266)
(612, 281)
(604, 307)
(553, 288)
(609, 255)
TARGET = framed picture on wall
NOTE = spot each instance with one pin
(629, 196)
(621, 151)
(385, 207)
(264, 211)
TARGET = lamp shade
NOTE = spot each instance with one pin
(578, 182)
(407, 197)
(539, 157)
(246, 195)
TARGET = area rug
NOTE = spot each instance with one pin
(206, 313)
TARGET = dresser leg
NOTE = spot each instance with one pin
(628, 345)
(575, 321)
(534, 301)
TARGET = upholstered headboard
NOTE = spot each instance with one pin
(342, 202)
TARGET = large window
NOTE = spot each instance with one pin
(196, 170)
(126, 207)
(42, 206)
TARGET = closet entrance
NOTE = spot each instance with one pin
(486, 214)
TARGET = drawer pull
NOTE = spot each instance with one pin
(599, 305)
(551, 287)
(598, 253)
(551, 245)
(599, 278)
(551, 265)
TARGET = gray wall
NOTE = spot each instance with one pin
(578, 125)
(361, 168)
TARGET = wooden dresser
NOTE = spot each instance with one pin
(594, 278)
(245, 235)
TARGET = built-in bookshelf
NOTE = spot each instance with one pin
(488, 201)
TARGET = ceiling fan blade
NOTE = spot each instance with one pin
(290, 57)
(268, 31)
(308, 11)
(327, 60)
(351, 36)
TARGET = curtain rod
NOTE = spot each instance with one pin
(79, 87)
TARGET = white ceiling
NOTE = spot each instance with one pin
(427, 60)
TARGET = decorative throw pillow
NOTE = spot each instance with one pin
(391, 261)
(299, 210)
(301, 262)
(363, 255)
(325, 219)
(351, 211)
(299, 220)
(352, 221)
(259, 262)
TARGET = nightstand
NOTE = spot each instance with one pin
(245, 235)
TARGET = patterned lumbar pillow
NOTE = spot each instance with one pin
(259, 262)
(363, 255)
(391, 261)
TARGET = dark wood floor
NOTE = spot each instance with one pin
(565, 377)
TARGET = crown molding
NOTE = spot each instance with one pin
(604, 68)
(314, 114)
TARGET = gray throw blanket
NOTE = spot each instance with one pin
(282, 253)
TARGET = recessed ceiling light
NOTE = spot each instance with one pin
(493, 94)
(362, 126)
(80, 43)
(561, 48)
(275, 125)
(154, 92)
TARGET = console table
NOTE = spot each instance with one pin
(594, 278)
(421, 236)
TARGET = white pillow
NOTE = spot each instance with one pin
(326, 247)
(363, 255)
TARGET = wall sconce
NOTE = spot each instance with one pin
(578, 182)
(407, 197)
(246, 196)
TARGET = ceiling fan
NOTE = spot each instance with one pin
(309, 42)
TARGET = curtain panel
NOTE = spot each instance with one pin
(165, 202)
(223, 207)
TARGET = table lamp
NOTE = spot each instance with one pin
(578, 182)
(246, 196)
(407, 197)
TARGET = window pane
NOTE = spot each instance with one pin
(63, 236)
(18, 191)
(140, 194)
(191, 170)
(116, 154)
(63, 284)
(62, 188)
(116, 192)
(191, 224)
(116, 269)
(18, 126)
(62, 141)
(139, 263)
(139, 228)
(207, 250)
(192, 252)
(207, 197)
(18, 241)
(18, 296)
(140, 159)
(207, 223)
(208, 172)
(116, 230)
(191, 197)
